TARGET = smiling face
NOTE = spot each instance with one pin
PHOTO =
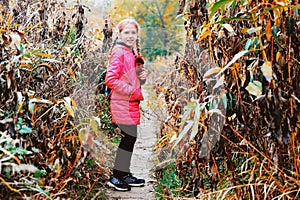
(128, 34)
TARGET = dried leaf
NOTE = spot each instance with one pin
(281, 2)
(266, 69)
(8, 80)
(57, 166)
(44, 65)
(44, 55)
(268, 30)
(195, 127)
(10, 19)
(204, 34)
(25, 66)
(173, 137)
(15, 40)
(278, 55)
(70, 105)
(219, 82)
(255, 88)
(217, 111)
(211, 72)
(70, 72)
(235, 58)
(33, 101)
(229, 28)
(98, 35)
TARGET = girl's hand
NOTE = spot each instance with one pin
(142, 75)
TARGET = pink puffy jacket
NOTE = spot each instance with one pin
(125, 85)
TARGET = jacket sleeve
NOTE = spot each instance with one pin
(114, 73)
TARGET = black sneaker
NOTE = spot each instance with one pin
(133, 181)
(118, 184)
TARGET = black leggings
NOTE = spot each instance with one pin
(125, 149)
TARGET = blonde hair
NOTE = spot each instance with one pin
(121, 25)
(127, 21)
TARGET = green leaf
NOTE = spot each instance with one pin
(254, 30)
(81, 134)
(19, 150)
(196, 120)
(40, 173)
(224, 100)
(187, 110)
(275, 31)
(35, 150)
(184, 132)
(219, 5)
(233, 6)
(94, 124)
(25, 130)
(40, 190)
(296, 12)
(249, 43)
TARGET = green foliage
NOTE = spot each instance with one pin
(169, 184)
(103, 112)
(161, 28)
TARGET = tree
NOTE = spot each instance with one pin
(161, 27)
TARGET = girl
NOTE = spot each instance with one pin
(124, 76)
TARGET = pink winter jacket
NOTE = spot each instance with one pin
(122, 79)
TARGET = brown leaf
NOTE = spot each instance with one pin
(10, 19)
(269, 30)
(44, 65)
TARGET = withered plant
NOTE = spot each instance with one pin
(49, 112)
(235, 108)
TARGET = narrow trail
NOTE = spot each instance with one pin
(141, 163)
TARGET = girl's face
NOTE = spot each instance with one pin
(129, 34)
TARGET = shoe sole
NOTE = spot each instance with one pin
(117, 188)
(136, 184)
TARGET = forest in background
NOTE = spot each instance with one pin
(232, 125)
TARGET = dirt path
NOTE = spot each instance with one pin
(141, 163)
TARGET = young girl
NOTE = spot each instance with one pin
(124, 77)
